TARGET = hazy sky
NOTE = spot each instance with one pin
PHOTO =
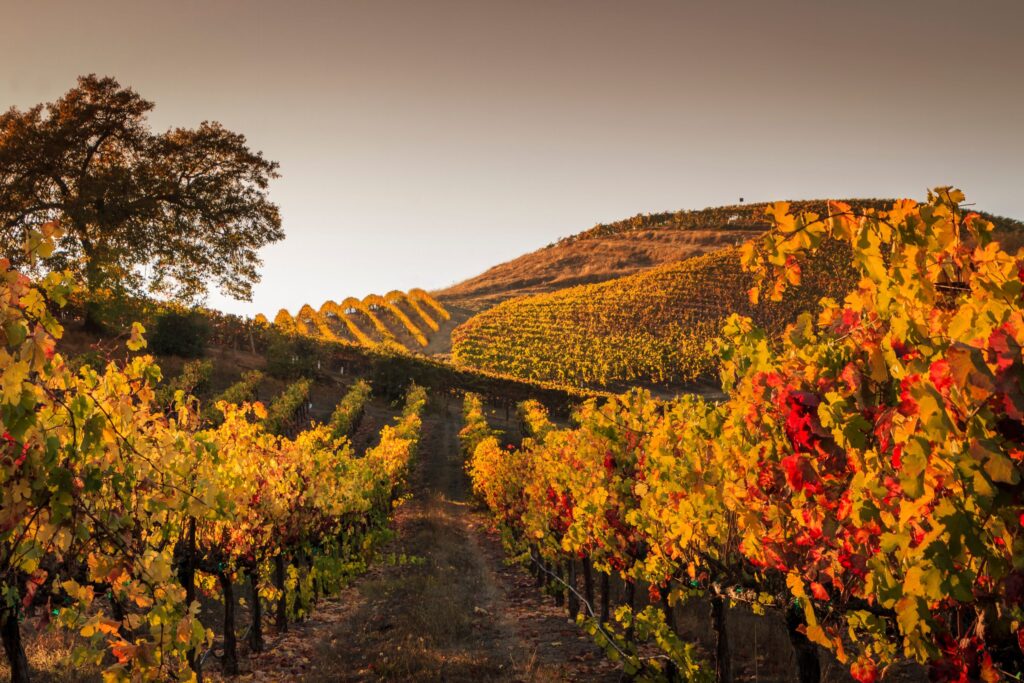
(421, 142)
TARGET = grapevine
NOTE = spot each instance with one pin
(866, 467)
(118, 513)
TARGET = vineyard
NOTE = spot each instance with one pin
(400, 318)
(855, 498)
(653, 326)
(762, 442)
(650, 327)
(861, 481)
(118, 515)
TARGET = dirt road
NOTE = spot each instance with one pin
(455, 612)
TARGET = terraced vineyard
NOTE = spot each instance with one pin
(653, 326)
(406, 318)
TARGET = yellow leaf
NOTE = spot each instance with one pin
(137, 341)
(816, 634)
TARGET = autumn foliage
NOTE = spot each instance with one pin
(117, 511)
(865, 469)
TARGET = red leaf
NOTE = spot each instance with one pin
(794, 472)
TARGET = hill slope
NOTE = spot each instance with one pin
(571, 262)
(611, 250)
(651, 326)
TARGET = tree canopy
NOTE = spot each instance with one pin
(142, 212)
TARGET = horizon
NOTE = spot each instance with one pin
(457, 136)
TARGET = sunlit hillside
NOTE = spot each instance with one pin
(654, 326)
(624, 247)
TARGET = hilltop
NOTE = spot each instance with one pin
(610, 250)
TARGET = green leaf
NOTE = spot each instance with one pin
(1002, 469)
(855, 431)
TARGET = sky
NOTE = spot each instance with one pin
(423, 141)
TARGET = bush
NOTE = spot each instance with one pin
(180, 334)
(292, 357)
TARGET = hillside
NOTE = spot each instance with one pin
(620, 248)
(651, 327)
(573, 262)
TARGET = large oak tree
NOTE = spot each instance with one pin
(165, 213)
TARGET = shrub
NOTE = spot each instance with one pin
(292, 357)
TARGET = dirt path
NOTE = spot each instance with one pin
(457, 612)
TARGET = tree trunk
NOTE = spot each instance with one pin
(538, 568)
(606, 587)
(807, 665)
(666, 609)
(282, 600)
(93, 320)
(118, 613)
(13, 647)
(559, 584)
(230, 662)
(256, 632)
(574, 600)
(301, 608)
(315, 581)
(187, 576)
(723, 659)
(631, 603)
(588, 586)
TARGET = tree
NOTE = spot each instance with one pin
(142, 212)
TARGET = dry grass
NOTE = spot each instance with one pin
(49, 654)
(586, 261)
